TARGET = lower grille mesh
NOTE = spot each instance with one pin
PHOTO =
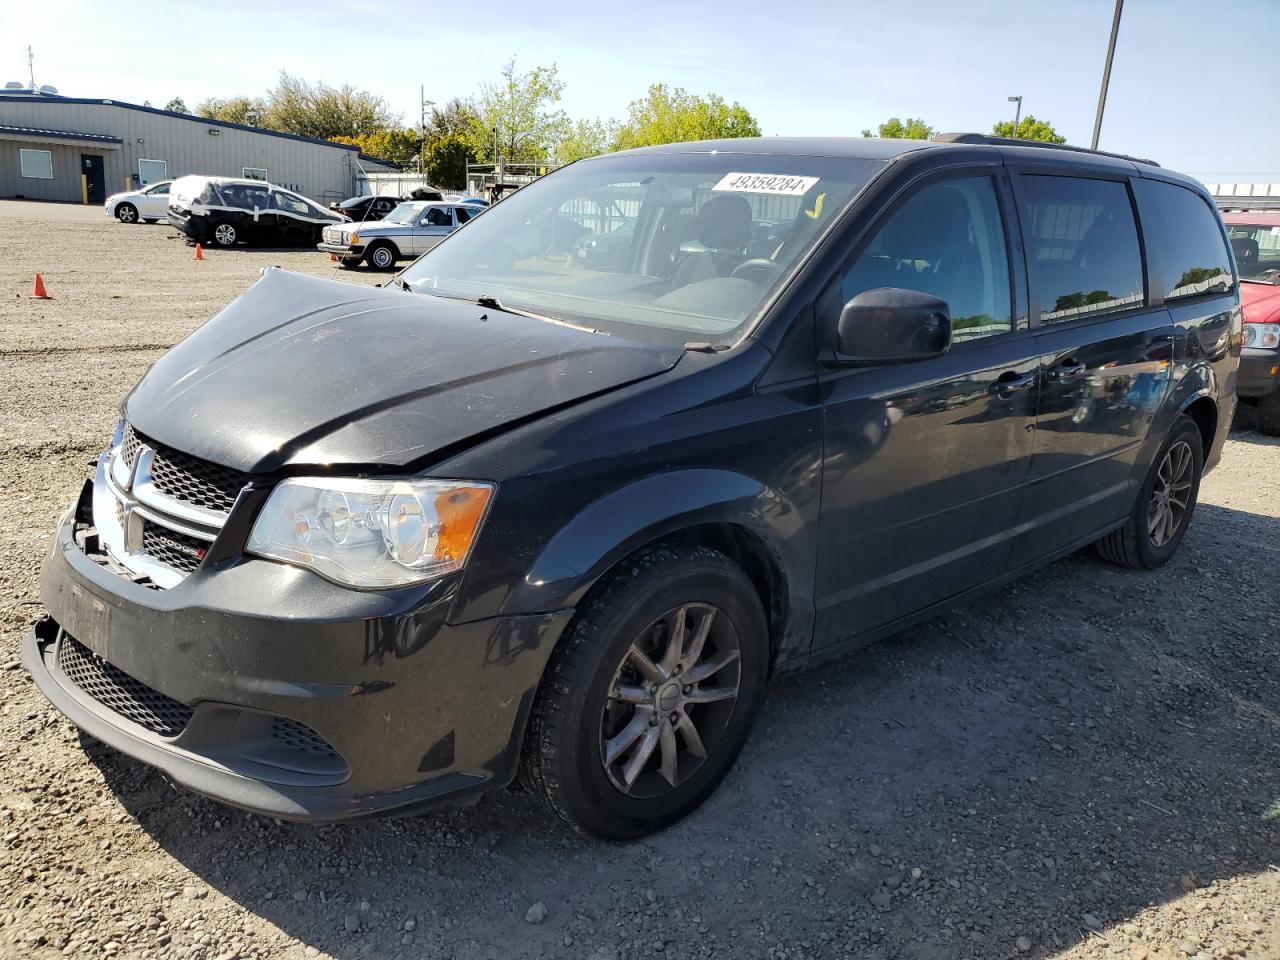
(119, 692)
(298, 736)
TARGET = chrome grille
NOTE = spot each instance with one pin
(194, 481)
(172, 548)
(129, 447)
(119, 692)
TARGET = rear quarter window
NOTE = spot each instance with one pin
(1083, 249)
(1184, 234)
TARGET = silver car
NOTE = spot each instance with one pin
(407, 232)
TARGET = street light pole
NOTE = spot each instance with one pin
(1106, 74)
(1017, 114)
(422, 126)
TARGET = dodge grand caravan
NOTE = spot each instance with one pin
(359, 551)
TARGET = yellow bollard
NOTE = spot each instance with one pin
(84, 188)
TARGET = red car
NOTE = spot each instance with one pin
(1255, 240)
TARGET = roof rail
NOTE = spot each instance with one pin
(1013, 142)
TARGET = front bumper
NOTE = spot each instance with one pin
(419, 713)
(341, 249)
(1259, 372)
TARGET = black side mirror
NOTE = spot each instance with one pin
(890, 325)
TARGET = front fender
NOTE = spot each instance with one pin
(658, 506)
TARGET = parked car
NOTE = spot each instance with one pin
(409, 230)
(357, 551)
(226, 211)
(1255, 239)
(365, 208)
(146, 205)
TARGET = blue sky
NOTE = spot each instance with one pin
(1188, 87)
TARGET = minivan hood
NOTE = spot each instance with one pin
(302, 371)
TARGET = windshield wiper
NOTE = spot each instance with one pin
(493, 303)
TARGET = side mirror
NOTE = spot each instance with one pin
(891, 325)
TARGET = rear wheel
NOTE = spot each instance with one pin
(127, 213)
(381, 256)
(1269, 414)
(1165, 503)
(650, 695)
(225, 234)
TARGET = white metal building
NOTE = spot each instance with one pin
(79, 150)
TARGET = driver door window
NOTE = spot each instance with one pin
(947, 240)
(438, 217)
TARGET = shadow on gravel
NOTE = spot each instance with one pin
(1042, 763)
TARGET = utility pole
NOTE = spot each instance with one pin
(1106, 74)
(423, 103)
(1017, 114)
(31, 68)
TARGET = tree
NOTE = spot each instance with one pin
(177, 105)
(673, 115)
(520, 109)
(243, 110)
(445, 160)
(325, 112)
(398, 147)
(585, 138)
(1029, 128)
(912, 129)
(456, 118)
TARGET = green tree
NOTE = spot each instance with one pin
(445, 160)
(245, 110)
(1029, 128)
(177, 105)
(673, 115)
(399, 147)
(521, 108)
(457, 118)
(325, 112)
(913, 128)
(585, 138)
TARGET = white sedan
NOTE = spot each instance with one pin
(151, 203)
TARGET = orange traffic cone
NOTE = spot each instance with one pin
(38, 291)
(333, 258)
(199, 255)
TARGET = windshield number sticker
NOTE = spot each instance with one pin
(766, 183)
(1275, 231)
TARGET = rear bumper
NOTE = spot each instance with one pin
(1259, 373)
(415, 712)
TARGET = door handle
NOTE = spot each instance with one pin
(1008, 384)
(1067, 371)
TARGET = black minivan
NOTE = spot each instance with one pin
(356, 551)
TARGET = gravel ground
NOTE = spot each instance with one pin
(1082, 764)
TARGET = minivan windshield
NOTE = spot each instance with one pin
(1257, 250)
(696, 241)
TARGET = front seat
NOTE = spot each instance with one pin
(723, 227)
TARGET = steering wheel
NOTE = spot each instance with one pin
(759, 270)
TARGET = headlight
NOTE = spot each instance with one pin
(371, 533)
(1264, 335)
(355, 238)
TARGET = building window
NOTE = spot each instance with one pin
(36, 164)
(152, 171)
(254, 173)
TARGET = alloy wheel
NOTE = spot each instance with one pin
(1171, 495)
(127, 214)
(225, 234)
(670, 700)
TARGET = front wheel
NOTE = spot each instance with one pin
(381, 257)
(650, 695)
(127, 213)
(1167, 500)
(225, 235)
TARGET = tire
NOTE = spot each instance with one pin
(381, 256)
(1175, 473)
(126, 213)
(149, 220)
(348, 263)
(224, 234)
(594, 693)
(1269, 414)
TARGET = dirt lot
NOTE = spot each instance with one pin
(1083, 764)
